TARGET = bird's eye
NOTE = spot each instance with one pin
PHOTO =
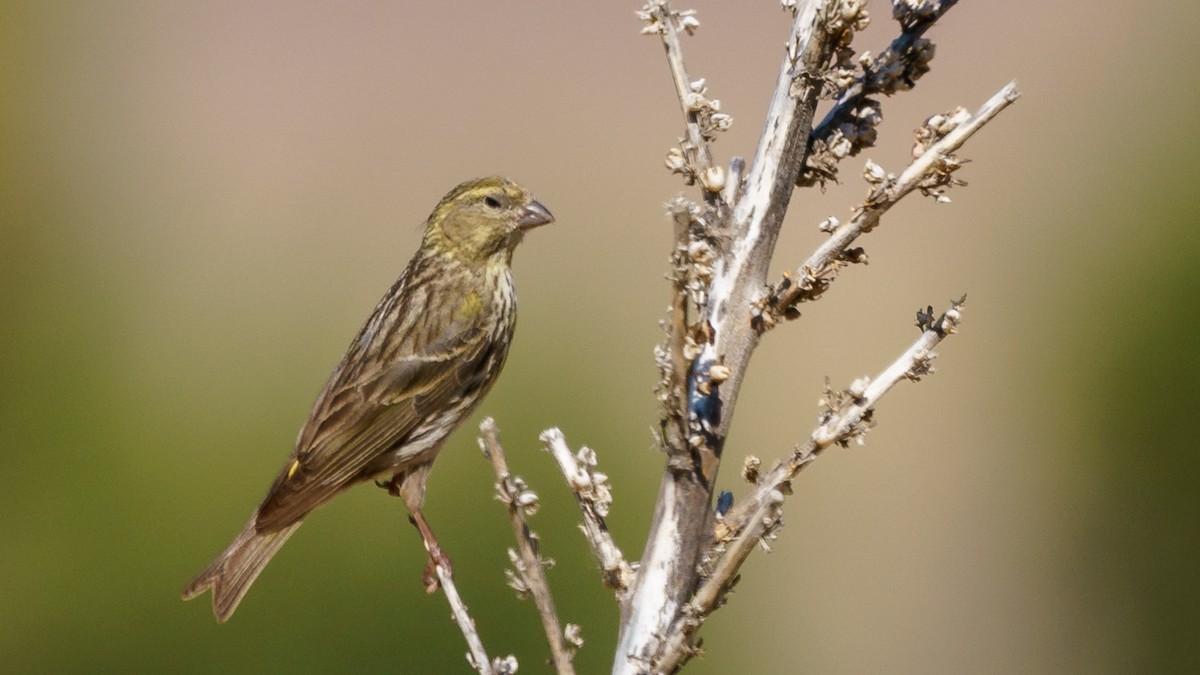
(492, 202)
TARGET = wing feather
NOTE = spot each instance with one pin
(365, 416)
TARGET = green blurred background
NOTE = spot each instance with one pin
(201, 201)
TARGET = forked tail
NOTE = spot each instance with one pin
(230, 575)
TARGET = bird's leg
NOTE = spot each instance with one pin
(437, 557)
(412, 499)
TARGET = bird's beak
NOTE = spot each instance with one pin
(534, 215)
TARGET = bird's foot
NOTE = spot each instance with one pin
(437, 558)
(392, 485)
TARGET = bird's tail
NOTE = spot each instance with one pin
(230, 575)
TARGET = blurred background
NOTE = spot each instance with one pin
(200, 202)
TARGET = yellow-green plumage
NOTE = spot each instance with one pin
(418, 367)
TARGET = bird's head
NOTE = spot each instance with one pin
(483, 218)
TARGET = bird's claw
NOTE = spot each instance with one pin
(437, 558)
(392, 485)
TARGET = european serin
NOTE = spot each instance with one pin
(418, 367)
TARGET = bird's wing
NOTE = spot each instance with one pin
(371, 408)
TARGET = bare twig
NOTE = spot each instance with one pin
(592, 492)
(477, 656)
(673, 363)
(846, 418)
(529, 565)
(846, 411)
(693, 160)
(933, 163)
(702, 116)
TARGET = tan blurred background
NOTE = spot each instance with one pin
(201, 201)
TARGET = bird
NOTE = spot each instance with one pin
(417, 368)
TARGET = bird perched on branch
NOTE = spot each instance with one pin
(418, 367)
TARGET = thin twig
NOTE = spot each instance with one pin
(911, 365)
(477, 656)
(529, 564)
(758, 514)
(592, 492)
(674, 393)
(692, 159)
(667, 23)
(813, 275)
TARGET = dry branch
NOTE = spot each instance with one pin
(477, 655)
(681, 524)
(850, 125)
(744, 527)
(594, 497)
(530, 576)
(930, 172)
